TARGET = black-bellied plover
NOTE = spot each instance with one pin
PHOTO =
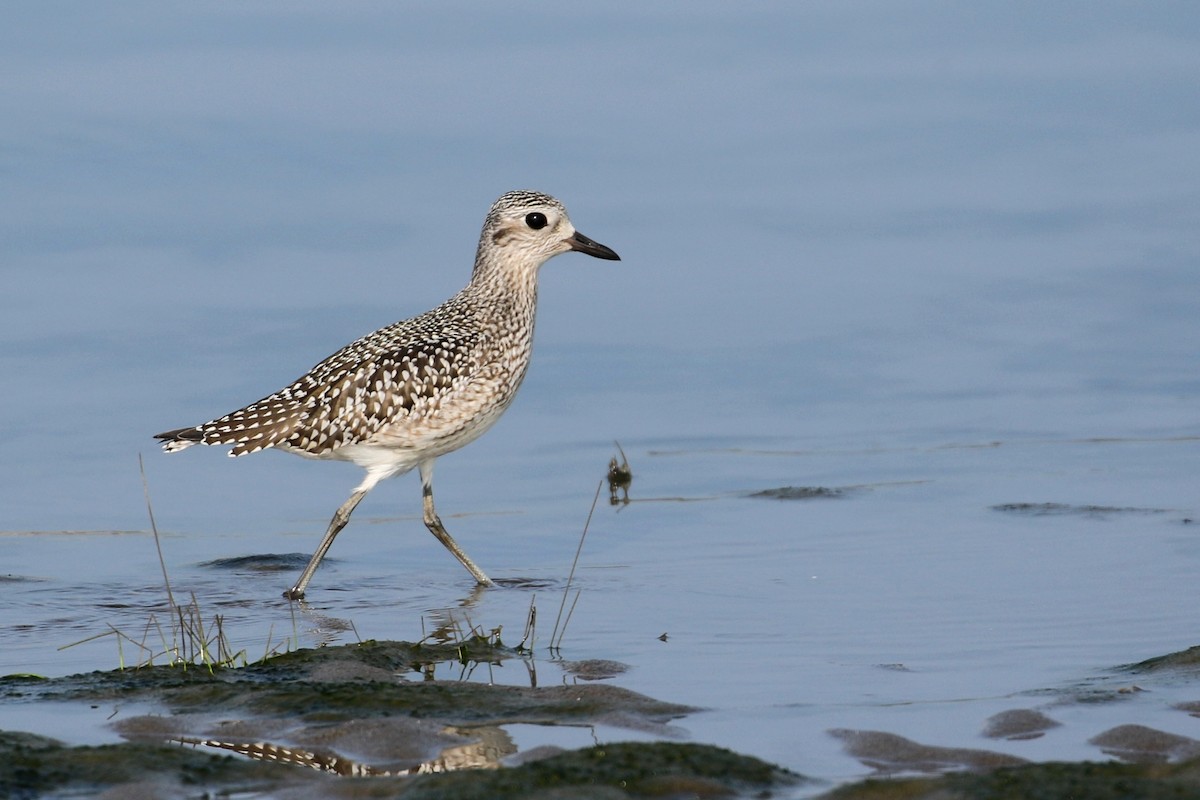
(402, 396)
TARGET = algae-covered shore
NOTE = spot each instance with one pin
(343, 721)
(346, 721)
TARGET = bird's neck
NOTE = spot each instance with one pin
(495, 277)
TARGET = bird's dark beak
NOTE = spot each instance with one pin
(583, 244)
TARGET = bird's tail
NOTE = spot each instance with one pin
(180, 439)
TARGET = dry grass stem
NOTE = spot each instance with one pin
(571, 575)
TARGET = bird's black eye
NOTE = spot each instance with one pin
(536, 220)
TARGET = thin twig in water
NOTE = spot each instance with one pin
(120, 650)
(154, 529)
(567, 621)
(574, 564)
(267, 649)
(530, 626)
(92, 638)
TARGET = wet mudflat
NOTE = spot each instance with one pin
(345, 721)
(310, 722)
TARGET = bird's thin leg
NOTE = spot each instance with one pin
(434, 523)
(340, 518)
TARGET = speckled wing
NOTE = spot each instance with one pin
(396, 374)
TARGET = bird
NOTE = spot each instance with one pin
(412, 391)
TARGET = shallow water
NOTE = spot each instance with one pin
(907, 604)
(955, 270)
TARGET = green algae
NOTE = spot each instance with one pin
(32, 766)
(1186, 662)
(653, 769)
(1049, 781)
(353, 682)
(315, 698)
(304, 695)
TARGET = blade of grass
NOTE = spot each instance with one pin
(563, 635)
(575, 563)
(154, 529)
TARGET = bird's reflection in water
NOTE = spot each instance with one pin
(488, 746)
